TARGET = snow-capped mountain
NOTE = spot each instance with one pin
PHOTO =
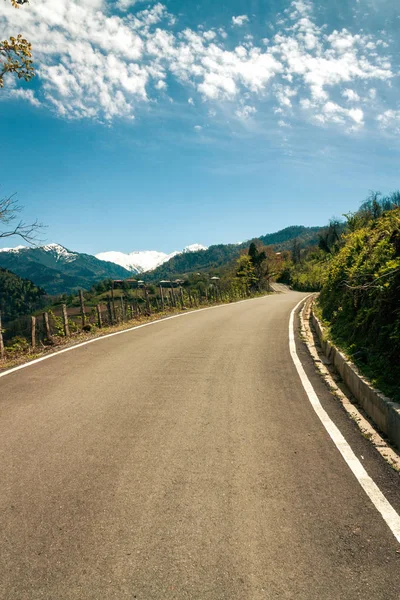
(57, 269)
(60, 253)
(13, 250)
(57, 251)
(145, 260)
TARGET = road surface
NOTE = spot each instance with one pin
(184, 461)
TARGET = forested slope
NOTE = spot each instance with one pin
(18, 296)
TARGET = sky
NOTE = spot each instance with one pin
(156, 125)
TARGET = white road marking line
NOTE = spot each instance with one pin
(108, 335)
(387, 511)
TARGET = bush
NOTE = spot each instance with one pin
(17, 345)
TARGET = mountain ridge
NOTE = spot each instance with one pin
(59, 270)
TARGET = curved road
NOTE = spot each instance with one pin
(184, 461)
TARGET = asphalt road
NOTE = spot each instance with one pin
(184, 461)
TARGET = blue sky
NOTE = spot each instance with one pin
(154, 126)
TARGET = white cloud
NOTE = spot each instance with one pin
(351, 95)
(357, 115)
(92, 63)
(245, 112)
(283, 94)
(240, 20)
(390, 119)
(23, 95)
(161, 85)
(126, 4)
(209, 35)
(334, 113)
(197, 128)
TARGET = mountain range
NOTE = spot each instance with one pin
(59, 270)
(144, 260)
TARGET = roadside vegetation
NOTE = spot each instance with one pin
(356, 268)
(360, 296)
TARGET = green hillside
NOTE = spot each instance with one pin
(202, 260)
(59, 270)
(360, 296)
(356, 266)
(283, 239)
(220, 255)
(18, 296)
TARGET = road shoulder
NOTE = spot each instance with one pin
(385, 477)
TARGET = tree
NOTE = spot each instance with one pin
(330, 237)
(245, 272)
(16, 55)
(258, 258)
(296, 251)
(9, 211)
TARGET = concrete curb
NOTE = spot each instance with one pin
(382, 410)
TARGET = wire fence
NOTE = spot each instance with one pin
(51, 327)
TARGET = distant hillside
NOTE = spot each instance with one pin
(59, 270)
(18, 296)
(219, 255)
(283, 239)
(202, 260)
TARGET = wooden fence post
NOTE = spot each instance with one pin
(82, 302)
(110, 313)
(2, 351)
(65, 320)
(114, 312)
(148, 305)
(46, 324)
(190, 298)
(181, 295)
(33, 332)
(162, 298)
(99, 319)
(123, 309)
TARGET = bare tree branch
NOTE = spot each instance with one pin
(9, 211)
(371, 284)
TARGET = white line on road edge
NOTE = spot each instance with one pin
(387, 511)
(108, 335)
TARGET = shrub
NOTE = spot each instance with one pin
(17, 345)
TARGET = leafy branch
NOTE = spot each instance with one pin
(16, 55)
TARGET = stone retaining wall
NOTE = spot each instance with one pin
(382, 410)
